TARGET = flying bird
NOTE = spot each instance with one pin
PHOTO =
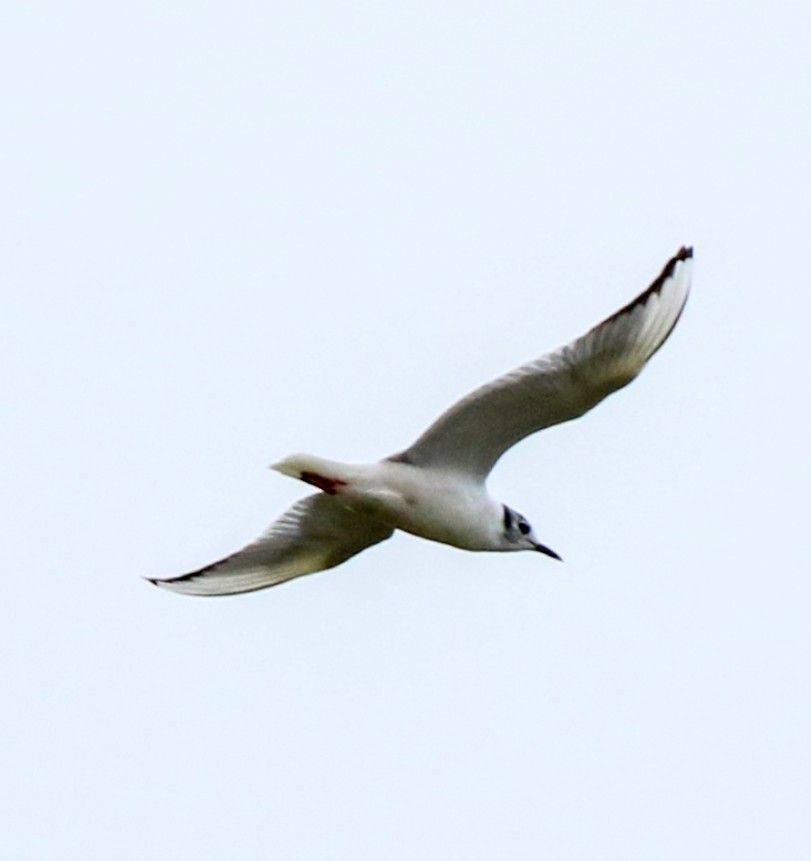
(436, 488)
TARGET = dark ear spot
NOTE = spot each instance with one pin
(508, 518)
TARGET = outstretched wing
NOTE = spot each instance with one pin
(318, 532)
(473, 434)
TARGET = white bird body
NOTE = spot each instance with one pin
(441, 505)
(436, 488)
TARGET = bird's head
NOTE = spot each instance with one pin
(517, 534)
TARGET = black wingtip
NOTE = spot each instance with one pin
(160, 582)
(684, 254)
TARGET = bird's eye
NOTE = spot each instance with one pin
(524, 528)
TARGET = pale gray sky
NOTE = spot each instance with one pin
(231, 231)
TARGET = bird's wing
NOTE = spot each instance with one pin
(473, 434)
(318, 532)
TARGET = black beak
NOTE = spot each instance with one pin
(542, 549)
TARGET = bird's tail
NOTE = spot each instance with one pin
(327, 475)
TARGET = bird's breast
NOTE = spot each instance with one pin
(439, 506)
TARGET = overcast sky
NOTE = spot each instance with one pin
(231, 231)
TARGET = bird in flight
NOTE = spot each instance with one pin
(436, 488)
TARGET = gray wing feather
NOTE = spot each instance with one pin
(318, 532)
(473, 434)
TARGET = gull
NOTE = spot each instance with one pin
(436, 488)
